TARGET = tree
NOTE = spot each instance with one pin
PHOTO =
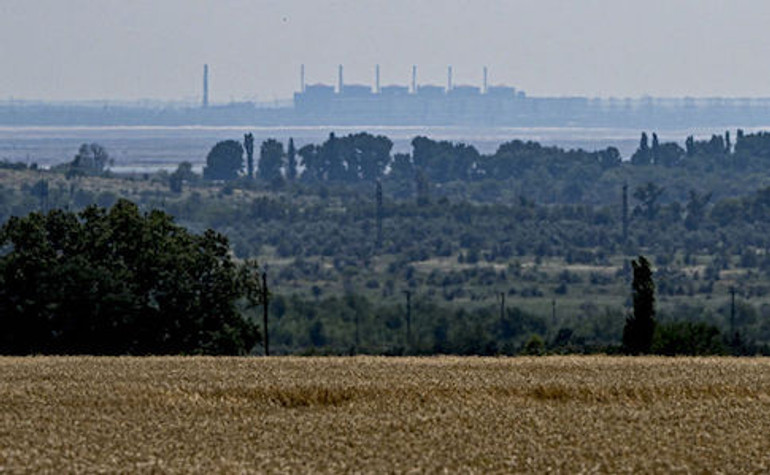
(270, 160)
(183, 173)
(648, 196)
(696, 209)
(640, 326)
(423, 188)
(248, 144)
(291, 161)
(224, 161)
(310, 158)
(91, 159)
(643, 155)
(402, 168)
(120, 282)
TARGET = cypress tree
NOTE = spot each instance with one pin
(640, 326)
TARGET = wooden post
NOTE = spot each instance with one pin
(502, 307)
(732, 313)
(265, 308)
(553, 312)
(378, 197)
(408, 319)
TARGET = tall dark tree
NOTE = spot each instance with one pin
(689, 145)
(248, 144)
(224, 161)
(270, 160)
(643, 155)
(291, 161)
(640, 326)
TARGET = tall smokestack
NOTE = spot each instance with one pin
(484, 90)
(302, 78)
(377, 79)
(339, 80)
(205, 85)
(414, 79)
(449, 78)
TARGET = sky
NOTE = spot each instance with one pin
(156, 49)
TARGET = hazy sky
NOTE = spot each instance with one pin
(131, 49)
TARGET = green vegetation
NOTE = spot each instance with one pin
(640, 326)
(224, 161)
(120, 282)
(345, 228)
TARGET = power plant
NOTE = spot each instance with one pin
(420, 104)
(415, 104)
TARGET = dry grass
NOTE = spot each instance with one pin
(563, 414)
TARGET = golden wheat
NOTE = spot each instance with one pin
(367, 414)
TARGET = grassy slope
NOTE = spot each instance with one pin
(568, 414)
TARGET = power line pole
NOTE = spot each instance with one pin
(357, 341)
(732, 312)
(378, 198)
(502, 307)
(264, 315)
(553, 312)
(625, 213)
(408, 318)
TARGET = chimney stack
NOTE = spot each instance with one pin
(339, 80)
(302, 78)
(377, 79)
(414, 79)
(205, 86)
(484, 90)
(449, 79)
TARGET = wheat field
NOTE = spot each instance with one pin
(370, 414)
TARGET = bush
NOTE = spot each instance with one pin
(687, 338)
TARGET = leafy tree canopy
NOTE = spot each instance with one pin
(224, 161)
(120, 282)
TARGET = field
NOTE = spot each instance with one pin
(365, 414)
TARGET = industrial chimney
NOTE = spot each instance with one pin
(484, 89)
(205, 86)
(339, 80)
(449, 79)
(377, 79)
(414, 79)
(302, 78)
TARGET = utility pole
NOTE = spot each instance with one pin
(408, 318)
(264, 307)
(625, 213)
(502, 307)
(358, 341)
(553, 312)
(205, 102)
(732, 312)
(378, 198)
